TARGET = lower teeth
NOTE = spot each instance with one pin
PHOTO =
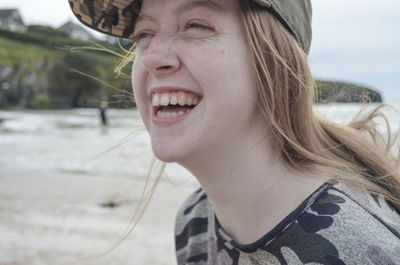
(166, 115)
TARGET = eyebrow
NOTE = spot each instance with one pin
(187, 6)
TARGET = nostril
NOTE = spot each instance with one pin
(160, 64)
(165, 67)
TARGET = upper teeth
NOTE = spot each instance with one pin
(181, 98)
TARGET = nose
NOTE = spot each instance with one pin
(160, 57)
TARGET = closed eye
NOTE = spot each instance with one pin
(198, 25)
(142, 35)
(142, 38)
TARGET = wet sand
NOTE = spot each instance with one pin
(57, 209)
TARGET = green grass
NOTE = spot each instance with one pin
(12, 52)
(49, 57)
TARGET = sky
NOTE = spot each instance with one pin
(353, 40)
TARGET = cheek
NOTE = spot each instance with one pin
(137, 74)
(139, 88)
(230, 83)
(225, 74)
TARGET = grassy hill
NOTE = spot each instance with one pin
(330, 91)
(39, 70)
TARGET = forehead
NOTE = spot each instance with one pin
(180, 6)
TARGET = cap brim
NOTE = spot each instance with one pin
(113, 17)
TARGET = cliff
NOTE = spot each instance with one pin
(38, 70)
(329, 91)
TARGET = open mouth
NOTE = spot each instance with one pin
(173, 104)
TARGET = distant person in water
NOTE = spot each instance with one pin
(103, 115)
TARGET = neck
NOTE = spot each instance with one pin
(250, 187)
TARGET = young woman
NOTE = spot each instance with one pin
(224, 89)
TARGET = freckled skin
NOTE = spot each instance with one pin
(212, 63)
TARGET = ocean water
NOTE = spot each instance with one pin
(344, 113)
(74, 141)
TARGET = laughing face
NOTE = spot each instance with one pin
(193, 78)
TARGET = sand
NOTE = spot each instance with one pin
(55, 208)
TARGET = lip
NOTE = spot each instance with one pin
(169, 121)
(165, 89)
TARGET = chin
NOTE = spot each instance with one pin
(166, 153)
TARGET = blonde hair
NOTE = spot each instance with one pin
(285, 89)
(357, 153)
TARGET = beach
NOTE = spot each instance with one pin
(62, 203)
(69, 187)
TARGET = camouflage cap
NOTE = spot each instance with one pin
(117, 17)
(295, 15)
